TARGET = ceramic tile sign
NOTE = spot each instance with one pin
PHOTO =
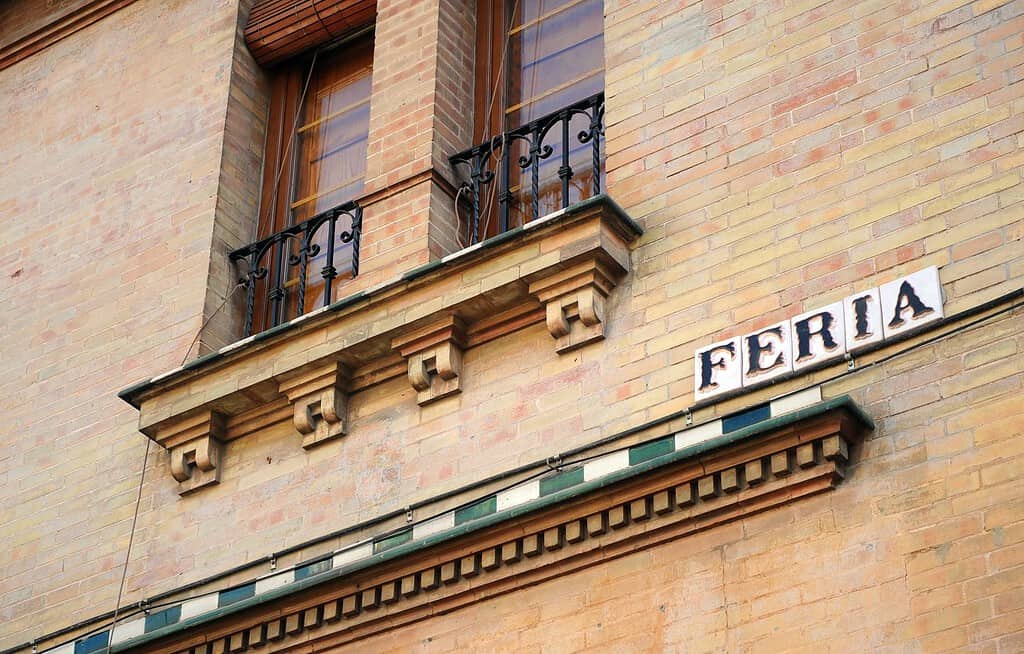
(860, 320)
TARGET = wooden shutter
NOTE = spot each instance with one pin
(281, 29)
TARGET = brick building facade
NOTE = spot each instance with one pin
(497, 435)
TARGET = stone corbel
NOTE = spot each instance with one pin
(574, 301)
(434, 355)
(319, 399)
(195, 444)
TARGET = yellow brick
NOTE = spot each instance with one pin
(970, 194)
(931, 11)
(908, 133)
(981, 6)
(958, 49)
(688, 100)
(919, 196)
(909, 234)
(967, 178)
(960, 112)
(950, 132)
(955, 83)
(968, 230)
(791, 10)
(888, 157)
(874, 212)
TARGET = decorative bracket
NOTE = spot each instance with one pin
(319, 399)
(434, 355)
(195, 445)
(574, 301)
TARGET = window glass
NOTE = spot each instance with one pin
(332, 137)
(535, 57)
(315, 161)
(556, 55)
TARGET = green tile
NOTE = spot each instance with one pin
(654, 449)
(560, 481)
(745, 419)
(92, 643)
(394, 540)
(236, 594)
(311, 569)
(163, 618)
(484, 507)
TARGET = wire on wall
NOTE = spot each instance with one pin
(128, 552)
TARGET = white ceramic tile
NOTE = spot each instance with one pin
(911, 301)
(354, 553)
(818, 336)
(862, 317)
(698, 434)
(461, 253)
(434, 525)
(130, 629)
(717, 369)
(274, 581)
(606, 464)
(237, 344)
(198, 605)
(795, 401)
(166, 374)
(772, 354)
(544, 219)
(517, 495)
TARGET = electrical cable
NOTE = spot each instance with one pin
(142, 476)
(544, 465)
(128, 552)
(486, 211)
(208, 319)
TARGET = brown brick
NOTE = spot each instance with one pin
(597, 524)
(350, 603)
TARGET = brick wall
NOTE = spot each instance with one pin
(241, 158)
(920, 549)
(111, 156)
(422, 91)
(779, 157)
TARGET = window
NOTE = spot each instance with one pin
(554, 56)
(315, 162)
(535, 58)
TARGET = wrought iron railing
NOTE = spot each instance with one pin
(483, 160)
(294, 248)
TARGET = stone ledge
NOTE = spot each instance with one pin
(556, 269)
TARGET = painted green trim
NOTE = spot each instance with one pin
(476, 510)
(560, 481)
(747, 417)
(606, 200)
(392, 540)
(419, 271)
(843, 402)
(651, 450)
(346, 301)
(128, 394)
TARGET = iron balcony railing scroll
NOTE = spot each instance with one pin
(483, 159)
(277, 256)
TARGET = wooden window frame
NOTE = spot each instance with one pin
(494, 99)
(292, 87)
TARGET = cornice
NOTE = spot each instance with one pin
(649, 503)
(55, 28)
